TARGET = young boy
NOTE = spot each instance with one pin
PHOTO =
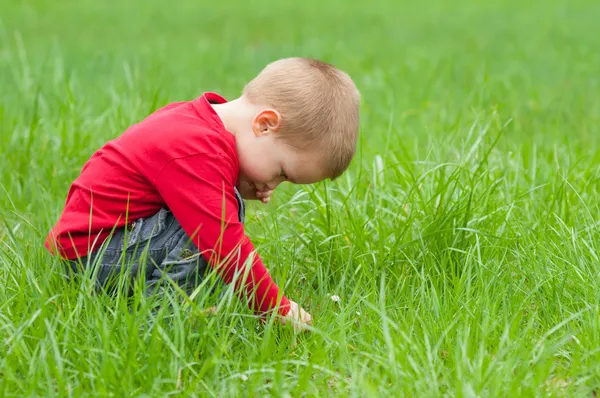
(181, 175)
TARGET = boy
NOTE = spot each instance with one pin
(181, 175)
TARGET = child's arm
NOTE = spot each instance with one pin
(199, 191)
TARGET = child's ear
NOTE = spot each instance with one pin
(266, 121)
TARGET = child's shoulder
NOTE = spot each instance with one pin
(177, 129)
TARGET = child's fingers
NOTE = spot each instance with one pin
(209, 311)
(264, 196)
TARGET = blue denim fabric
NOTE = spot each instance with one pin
(155, 248)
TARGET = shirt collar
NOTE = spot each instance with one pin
(203, 103)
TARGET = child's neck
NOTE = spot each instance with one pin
(236, 115)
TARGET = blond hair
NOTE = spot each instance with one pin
(319, 105)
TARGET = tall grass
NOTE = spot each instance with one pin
(463, 243)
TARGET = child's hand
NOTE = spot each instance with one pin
(299, 318)
(249, 191)
(264, 196)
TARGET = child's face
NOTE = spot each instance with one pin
(266, 162)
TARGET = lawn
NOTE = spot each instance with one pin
(463, 242)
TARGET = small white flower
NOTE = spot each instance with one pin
(244, 377)
(335, 298)
(357, 312)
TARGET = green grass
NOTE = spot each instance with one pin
(464, 241)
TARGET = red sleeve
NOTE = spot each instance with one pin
(198, 191)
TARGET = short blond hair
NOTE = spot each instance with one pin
(319, 105)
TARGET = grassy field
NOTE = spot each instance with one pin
(463, 243)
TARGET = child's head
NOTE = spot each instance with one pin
(305, 122)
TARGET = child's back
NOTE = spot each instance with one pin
(123, 181)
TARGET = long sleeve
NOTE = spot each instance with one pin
(199, 191)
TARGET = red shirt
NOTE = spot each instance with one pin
(180, 157)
